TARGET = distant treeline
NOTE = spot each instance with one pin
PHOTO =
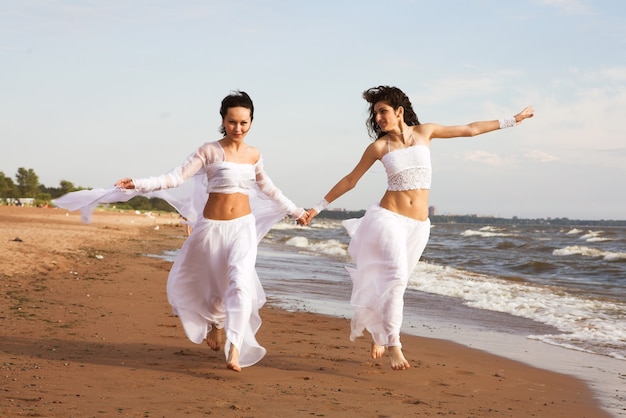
(26, 187)
(475, 219)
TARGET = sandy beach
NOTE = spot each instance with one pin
(87, 332)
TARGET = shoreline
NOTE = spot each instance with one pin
(447, 318)
(88, 332)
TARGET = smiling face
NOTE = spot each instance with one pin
(237, 123)
(387, 118)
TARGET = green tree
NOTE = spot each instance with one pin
(140, 203)
(54, 192)
(42, 199)
(7, 187)
(4, 187)
(161, 205)
(27, 182)
(66, 187)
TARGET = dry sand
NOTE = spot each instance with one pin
(87, 332)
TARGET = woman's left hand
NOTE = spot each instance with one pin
(303, 220)
(528, 112)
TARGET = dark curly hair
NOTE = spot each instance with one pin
(236, 99)
(395, 98)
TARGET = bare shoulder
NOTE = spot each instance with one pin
(253, 150)
(377, 149)
(252, 153)
(424, 132)
(424, 128)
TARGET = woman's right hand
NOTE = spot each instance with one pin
(126, 183)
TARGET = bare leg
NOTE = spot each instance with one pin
(377, 350)
(215, 338)
(233, 359)
(398, 361)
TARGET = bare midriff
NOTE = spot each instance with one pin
(409, 203)
(224, 207)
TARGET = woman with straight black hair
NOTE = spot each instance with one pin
(213, 286)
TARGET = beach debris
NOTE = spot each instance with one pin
(156, 228)
(17, 239)
(99, 257)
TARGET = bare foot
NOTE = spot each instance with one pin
(215, 338)
(398, 361)
(377, 350)
(233, 359)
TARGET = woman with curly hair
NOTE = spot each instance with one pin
(387, 242)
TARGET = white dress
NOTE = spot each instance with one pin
(386, 248)
(213, 281)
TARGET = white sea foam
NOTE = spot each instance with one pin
(595, 236)
(286, 225)
(591, 325)
(590, 252)
(289, 224)
(301, 242)
(591, 235)
(487, 231)
(599, 239)
(329, 247)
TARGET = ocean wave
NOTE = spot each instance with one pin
(599, 239)
(330, 247)
(590, 252)
(595, 236)
(487, 231)
(506, 245)
(593, 325)
(321, 224)
(535, 267)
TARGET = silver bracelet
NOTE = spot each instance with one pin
(507, 122)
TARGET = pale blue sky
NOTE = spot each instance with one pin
(92, 91)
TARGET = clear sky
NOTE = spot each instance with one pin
(92, 91)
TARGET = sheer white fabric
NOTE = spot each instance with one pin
(221, 176)
(265, 184)
(213, 281)
(86, 200)
(209, 152)
(408, 168)
(386, 248)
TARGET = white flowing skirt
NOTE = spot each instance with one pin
(213, 282)
(386, 248)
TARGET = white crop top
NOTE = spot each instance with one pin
(221, 176)
(408, 168)
(226, 177)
